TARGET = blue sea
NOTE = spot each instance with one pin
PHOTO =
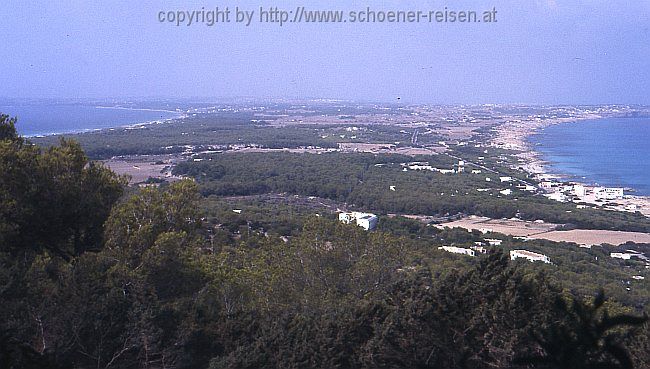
(35, 119)
(608, 152)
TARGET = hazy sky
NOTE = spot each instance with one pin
(539, 51)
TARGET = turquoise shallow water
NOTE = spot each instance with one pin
(44, 119)
(608, 152)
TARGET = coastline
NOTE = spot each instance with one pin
(134, 125)
(514, 135)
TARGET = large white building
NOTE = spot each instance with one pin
(624, 255)
(608, 193)
(365, 220)
(458, 250)
(557, 196)
(531, 256)
(580, 190)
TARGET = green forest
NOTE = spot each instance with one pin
(364, 181)
(96, 274)
(204, 131)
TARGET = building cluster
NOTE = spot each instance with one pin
(564, 192)
(423, 165)
(629, 254)
(514, 254)
(366, 221)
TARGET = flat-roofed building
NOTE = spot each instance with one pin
(580, 190)
(494, 241)
(608, 193)
(557, 196)
(529, 255)
(624, 255)
(458, 250)
(366, 221)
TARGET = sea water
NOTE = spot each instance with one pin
(36, 119)
(608, 152)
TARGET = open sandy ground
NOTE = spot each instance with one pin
(140, 168)
(547, 231)
(595, 237)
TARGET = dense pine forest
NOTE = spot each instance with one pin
(97, 274)
(365, 180)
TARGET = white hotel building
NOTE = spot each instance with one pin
(608, 193)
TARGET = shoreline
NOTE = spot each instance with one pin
(135, 109)
(135, 125)
(514, 135)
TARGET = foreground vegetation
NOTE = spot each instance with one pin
(91, 278)
(577, 270)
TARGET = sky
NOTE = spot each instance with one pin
(537, 52)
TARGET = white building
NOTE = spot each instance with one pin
(458, 250)
(527, 188)
(445, 171)
(479, 249)
(565, 188)
(579, 190)
(623, 255)
(461, 166)
(505, 179)
(557, 196)
(531, 256)
(506, 192)
(608, 193)
(494, 241)
(524, 238)
(419, 166)
(547, 185)
(365, 220)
